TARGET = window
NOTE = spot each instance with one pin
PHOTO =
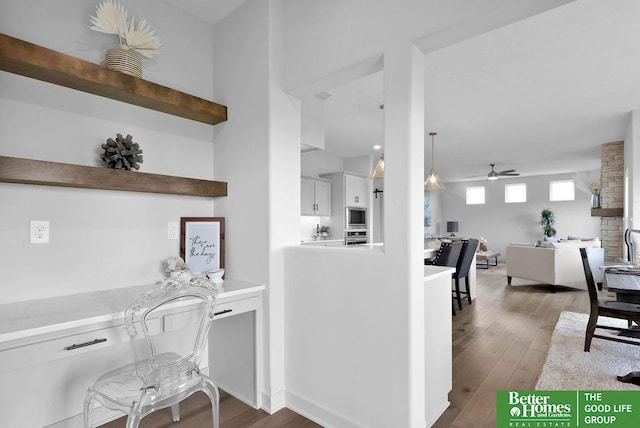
(475, 195)
(562, 190)
(514, 193)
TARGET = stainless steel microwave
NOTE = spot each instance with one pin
(355, 218)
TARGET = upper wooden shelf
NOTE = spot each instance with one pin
(606, 212)
(37, 62)
(27, 171)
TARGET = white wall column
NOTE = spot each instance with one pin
(404, 192)
(284, 200)
(257, 153)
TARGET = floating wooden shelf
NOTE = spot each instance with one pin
(27, 171)
(606, 212)
(37, 62)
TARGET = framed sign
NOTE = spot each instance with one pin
(202, 243)
(427, 208)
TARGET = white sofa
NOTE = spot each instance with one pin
(556, 264)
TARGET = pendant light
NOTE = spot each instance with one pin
(378, 171)
(433, 181)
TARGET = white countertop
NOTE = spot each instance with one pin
(320, 241)
(379, 246)
(432, 271)
(31, 318)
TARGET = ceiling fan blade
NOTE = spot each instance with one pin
(507, 171)
(509, 174)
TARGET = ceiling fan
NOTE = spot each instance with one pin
(493, 174)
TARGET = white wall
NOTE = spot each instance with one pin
(99, 239)
(362, 165)
(343, 354)
(320, 162)
(501, 223)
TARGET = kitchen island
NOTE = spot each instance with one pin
(438, 340)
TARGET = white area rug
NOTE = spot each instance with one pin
(568, 367)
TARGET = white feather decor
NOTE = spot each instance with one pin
(112, 18)
(141, 38)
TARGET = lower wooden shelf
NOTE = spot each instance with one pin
(28, 171)
(606, 212)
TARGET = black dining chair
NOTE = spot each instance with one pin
(447, 255)
(467, 251)
(606, 308)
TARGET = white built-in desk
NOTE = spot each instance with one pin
(43, 382)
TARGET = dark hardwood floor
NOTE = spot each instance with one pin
(499, 342)
(195, 412)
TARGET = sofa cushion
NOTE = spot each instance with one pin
(575, 238)
(564, 244)
(522, 244)
(595, 243)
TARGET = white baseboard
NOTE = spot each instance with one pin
(101, 415)
(444, 407)
(274, 402)
(318, 414)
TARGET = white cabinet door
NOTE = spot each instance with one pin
(323, 198)
(307, 197)
(315, 197)
(355, 191)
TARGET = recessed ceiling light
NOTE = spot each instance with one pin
(377, 147)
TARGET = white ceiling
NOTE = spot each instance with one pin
(207, 11)
(540, 96)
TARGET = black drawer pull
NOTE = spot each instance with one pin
(82, 345)
(226, 311)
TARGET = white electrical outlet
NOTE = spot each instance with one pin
(39, 232)
(173, 230)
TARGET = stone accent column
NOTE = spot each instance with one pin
(611, 196)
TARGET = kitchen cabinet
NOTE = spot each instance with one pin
(315, 197)
(347, 190)
(356, 191)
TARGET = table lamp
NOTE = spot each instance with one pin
(452, 226)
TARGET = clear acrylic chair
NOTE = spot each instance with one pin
(165, 372)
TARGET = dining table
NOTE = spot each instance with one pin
(625, 282)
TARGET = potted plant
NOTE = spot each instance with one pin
(547, 220)
(112, 18)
